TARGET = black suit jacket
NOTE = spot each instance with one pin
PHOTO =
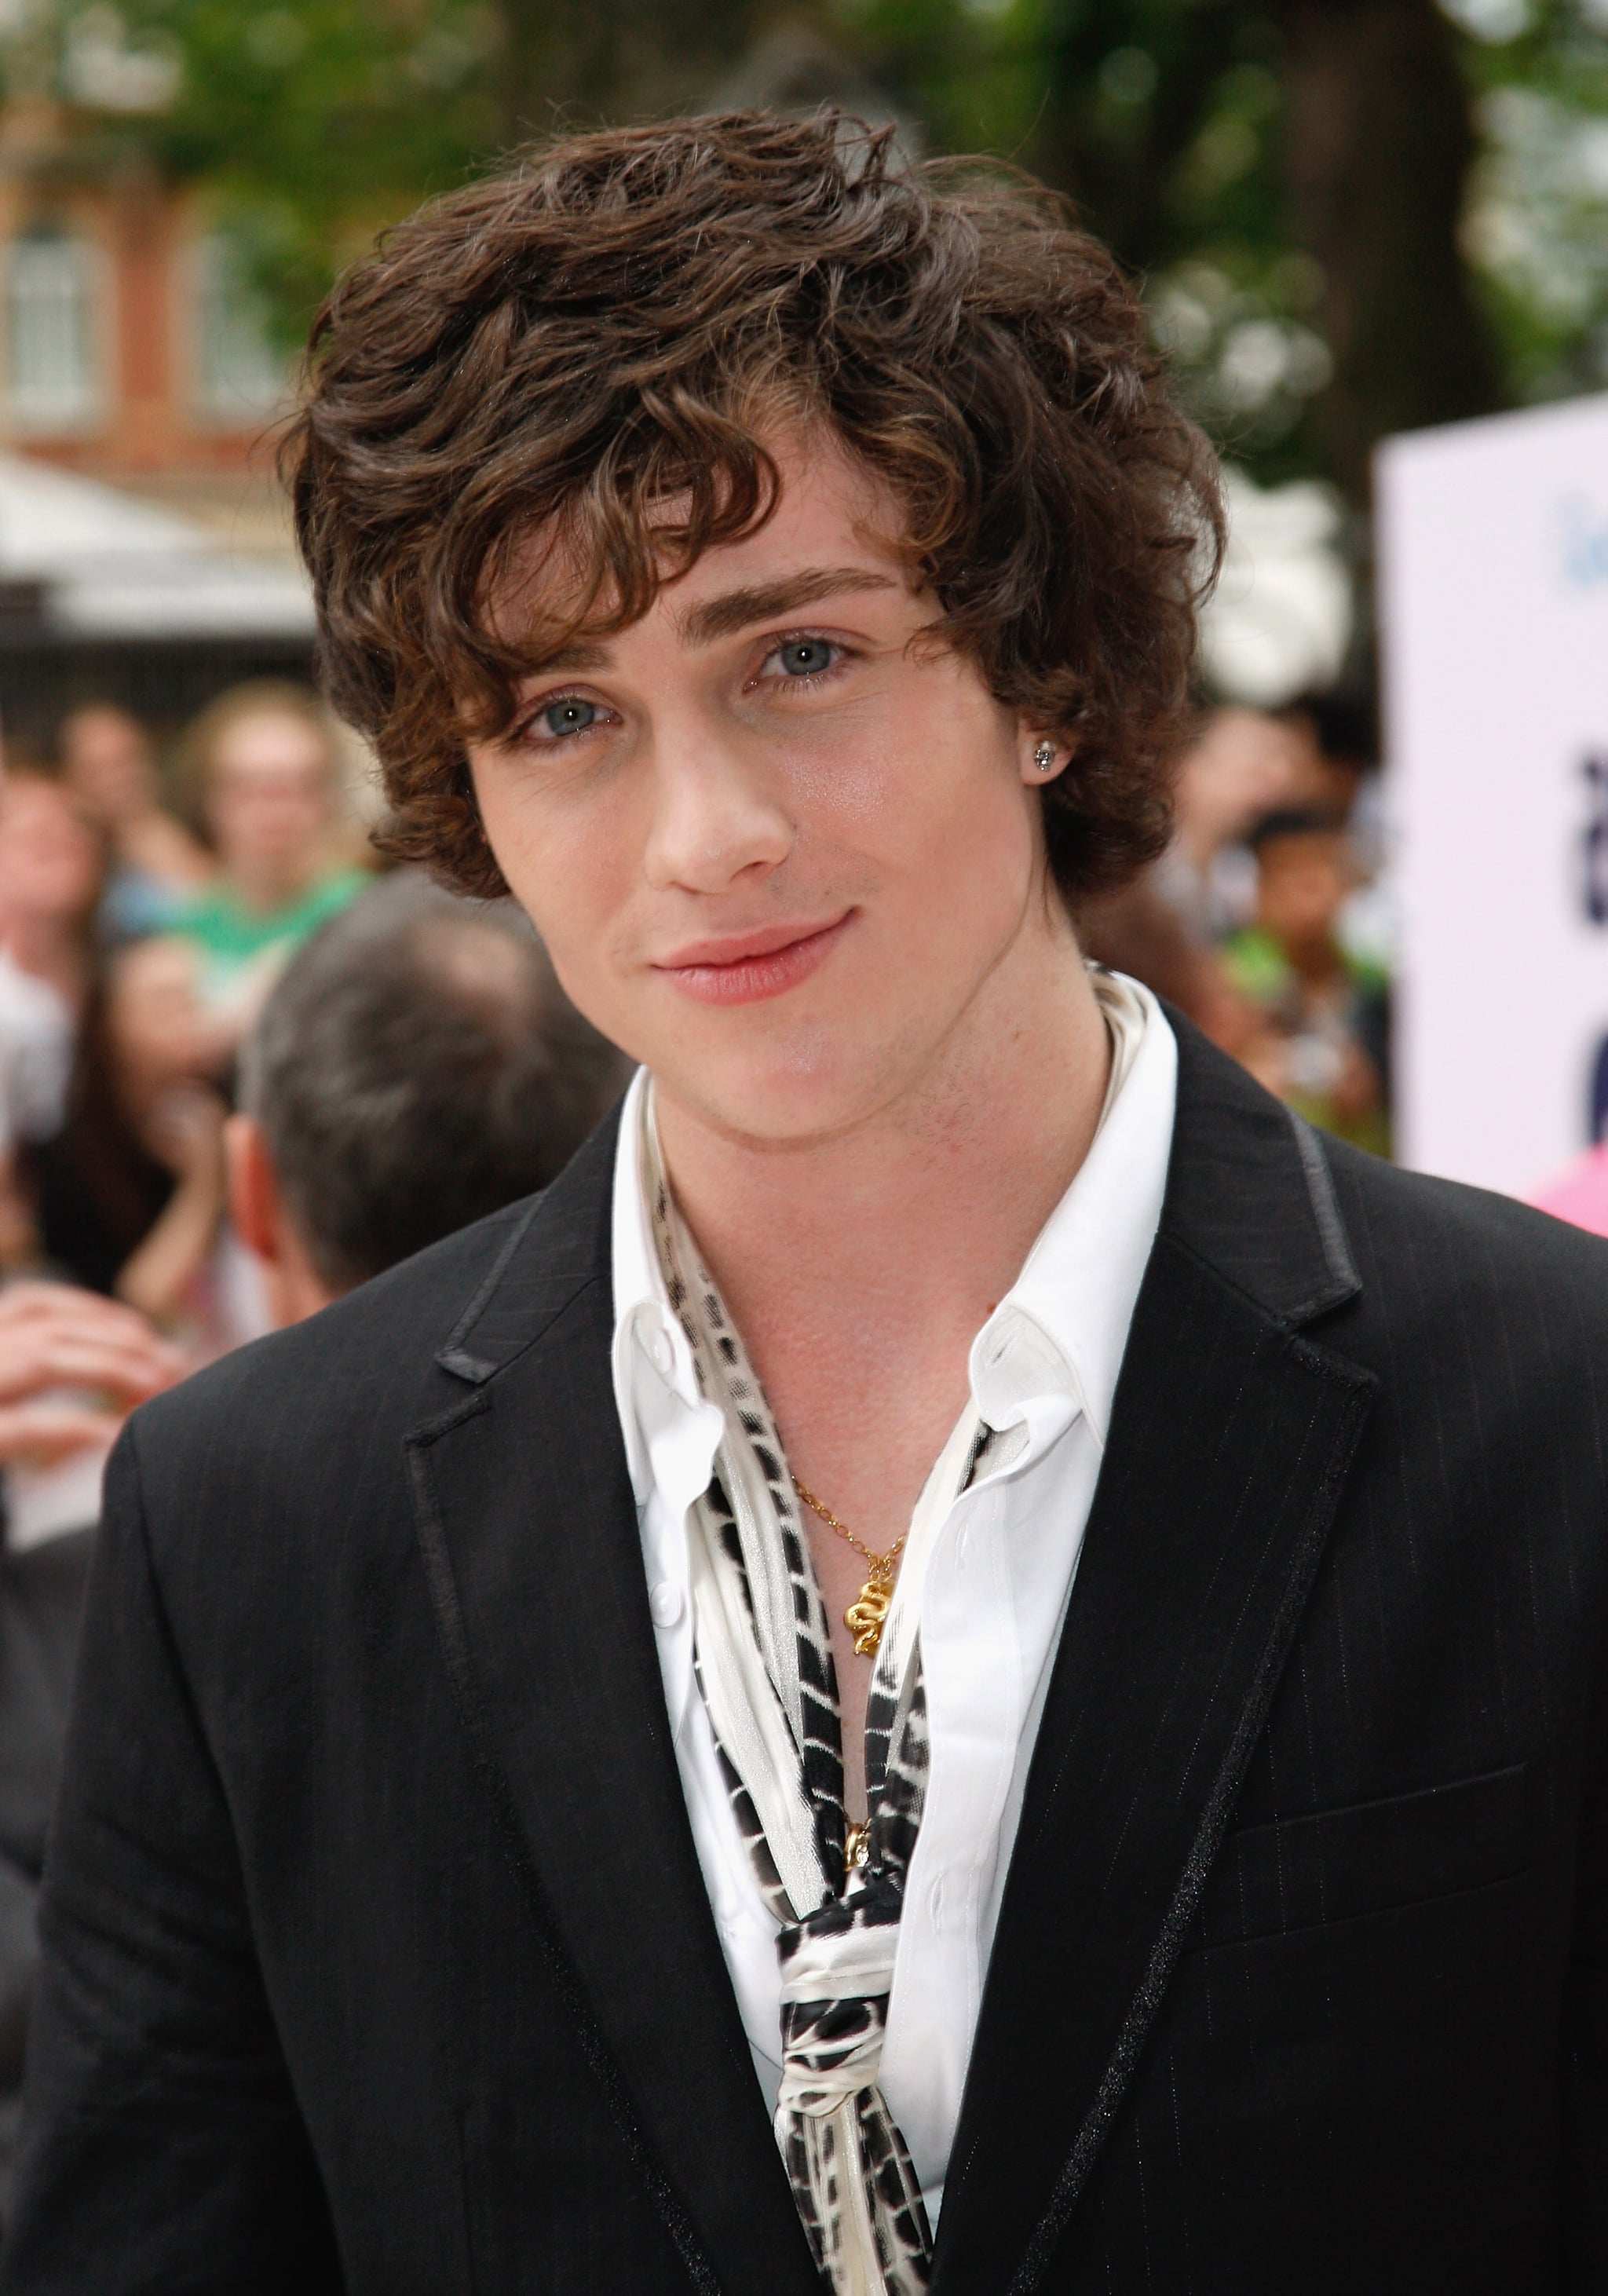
(41, 1604)
(378, 1954)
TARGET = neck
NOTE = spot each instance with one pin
(295, 1289)
(858, 1268)
(138, 826)
(1197, 843)
(1317, 959)
(268, 886)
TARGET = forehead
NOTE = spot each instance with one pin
(1291, 848)
(268, 741)
(831, 513)
(100, 727)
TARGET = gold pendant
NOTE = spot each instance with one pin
(866, 1614)
(857, 1840)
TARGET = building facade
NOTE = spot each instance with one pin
(131, 344)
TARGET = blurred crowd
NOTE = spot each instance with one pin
(240, 1073)
(138, 940)
(1267, 921)
(147, 917)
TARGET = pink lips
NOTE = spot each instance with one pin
(745, 967)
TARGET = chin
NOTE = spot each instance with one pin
(779, 1096)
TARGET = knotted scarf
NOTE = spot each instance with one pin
(764, 1665)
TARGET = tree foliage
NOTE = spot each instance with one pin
(1351, 216)
(315, 121)
(1298, 181)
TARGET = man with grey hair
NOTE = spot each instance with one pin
(417, 1067)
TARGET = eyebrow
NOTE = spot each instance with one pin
(733, 610)
(583, 654)
(763, 601)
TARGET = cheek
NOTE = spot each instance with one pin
(849, 779)
(948, 818)
(926, 768)
(568, 867)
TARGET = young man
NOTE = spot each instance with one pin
(964, 1659)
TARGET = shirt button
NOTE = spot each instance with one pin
(935, 1903)
(658, 1353)
(667, 1603)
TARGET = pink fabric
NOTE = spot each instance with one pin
(1580, 1192)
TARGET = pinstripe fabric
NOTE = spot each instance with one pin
(1380, 2059)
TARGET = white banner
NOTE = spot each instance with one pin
(1493, 541)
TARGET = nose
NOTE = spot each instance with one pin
(717, 813)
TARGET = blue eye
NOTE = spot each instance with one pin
(804, 657)
(569, 716)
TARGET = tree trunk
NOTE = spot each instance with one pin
(1379, 143)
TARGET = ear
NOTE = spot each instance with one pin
(254, 1206)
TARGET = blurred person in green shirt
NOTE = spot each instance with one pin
(262, 763)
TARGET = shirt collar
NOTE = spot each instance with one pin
(1060, 1329)
(651, 1360)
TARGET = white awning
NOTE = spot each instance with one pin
(110, 566)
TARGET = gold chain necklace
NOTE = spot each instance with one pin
(866, 1614)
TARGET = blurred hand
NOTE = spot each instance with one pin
(187, 1131)
(53, 1336)
(19, 1241)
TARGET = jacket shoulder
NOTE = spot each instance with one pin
(1390, 1194)
(368, 1361)
(1428, 1250)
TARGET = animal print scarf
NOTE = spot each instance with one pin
(764, 1665)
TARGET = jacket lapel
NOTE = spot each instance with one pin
(527, 1529)
(1230, 1439)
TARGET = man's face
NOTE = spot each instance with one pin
(1302, 883)
(49, 866)
(106, 761)
(269, 802)
(777, 852)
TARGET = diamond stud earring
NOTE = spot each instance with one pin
(1043, 756)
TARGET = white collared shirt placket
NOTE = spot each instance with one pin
(990, 1601)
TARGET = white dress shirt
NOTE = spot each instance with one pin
(986, 1575)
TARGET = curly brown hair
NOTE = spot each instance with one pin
(595, 344)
